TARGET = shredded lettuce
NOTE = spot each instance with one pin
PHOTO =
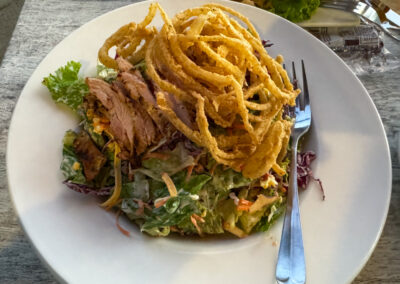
(178, 160)
(225, 180)
(175, 212)
(212, 224)
(158, 189)
(66, 86)
(268, 220)
(130, 208)
(222, 182)
(248, 221)
(202, 194)
(97, 138)
(141, 66)
(138, 189)
(227, 209)
(105, 73)
(70, 172)
(193, 185)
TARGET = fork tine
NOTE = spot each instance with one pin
(295, 85)
(291, 109)
(305, 86)
(294, 76)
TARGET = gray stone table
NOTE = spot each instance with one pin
(42, 24)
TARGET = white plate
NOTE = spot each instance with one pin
(79, 241)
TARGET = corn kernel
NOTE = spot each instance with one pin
(76, 166)
(99, 128)
(89, 113)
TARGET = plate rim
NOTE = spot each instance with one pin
(238, 4)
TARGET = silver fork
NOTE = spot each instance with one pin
(291, 266)
(365, 11)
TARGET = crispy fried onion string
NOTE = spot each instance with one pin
(220, 70)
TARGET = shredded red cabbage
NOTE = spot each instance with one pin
(304, 172)
(266, 43)
(81, 188)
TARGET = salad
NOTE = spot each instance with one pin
(162, 160)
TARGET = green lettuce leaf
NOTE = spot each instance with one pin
(264, 224)
(175, 212)
(98, 139)
(66, 86)
(138, 189)
(105, 73)
(222, 182)
(227, 209)
(103, 179)
(212, 224)
(193, 185)
(248, 221)
(141, 66)
(158, 231)
(178, 160)
(69, 158)
(158, 189)
(130, 208)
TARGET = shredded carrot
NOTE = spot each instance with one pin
(193, 219)
(170, 184)
(213, 168)
(189, 173)
(175, 229)
(198, 218)
(156, 155)
(161, 202)
(245, 202)
(283, 189)
(244, 205)
(125, 232)
(199, 169)
(140, 210)
(191, 167)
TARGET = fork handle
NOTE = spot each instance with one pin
(387, 28)
(291, 267)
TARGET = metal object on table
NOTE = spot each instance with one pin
(365, 11)
(291, 266)
(385, 12)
